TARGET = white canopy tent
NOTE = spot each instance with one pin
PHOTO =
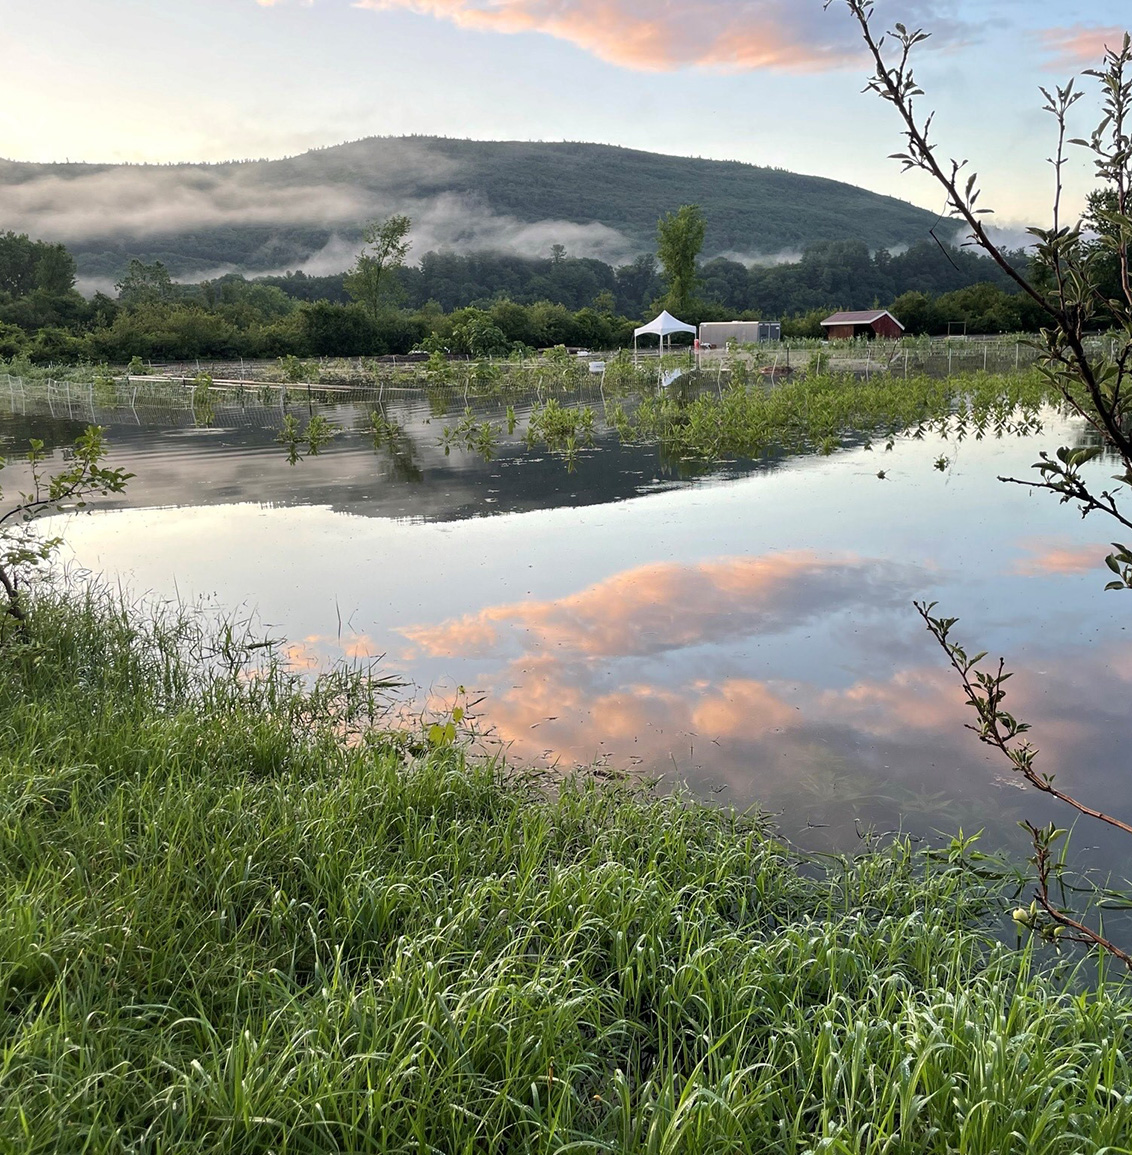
(663, 326)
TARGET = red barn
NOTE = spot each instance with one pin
(872, 323)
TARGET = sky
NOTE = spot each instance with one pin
(772, 82)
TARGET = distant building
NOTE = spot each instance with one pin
(871, 323)
(718, 333)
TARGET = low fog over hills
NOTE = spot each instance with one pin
(307, 211)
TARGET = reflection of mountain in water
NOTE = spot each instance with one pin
(404, 473)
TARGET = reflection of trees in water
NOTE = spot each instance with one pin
(400, 447)
(389, 437)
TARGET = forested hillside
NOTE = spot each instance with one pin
(307, 212)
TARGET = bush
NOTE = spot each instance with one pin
(337, 330)
(479, 336)
(54, 345)
(13, 342)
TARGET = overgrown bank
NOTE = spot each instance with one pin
(226, 929)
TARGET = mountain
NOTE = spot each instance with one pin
(307, 211)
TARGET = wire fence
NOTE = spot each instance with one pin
(250, 394)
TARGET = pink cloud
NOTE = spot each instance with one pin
(770, 738)
(741, 707)
(303, 656)
(728, 35)
(1079, 45)
(666, 606)
(1050, 558)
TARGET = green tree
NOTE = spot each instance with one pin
(337, 330)
(917, 312)
(605, 303)
(54, 270)
(478, 335)
(144, 284)
(371, 279)
(680, 236)
(1099, 207)
(637, 284)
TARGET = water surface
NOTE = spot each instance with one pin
(745, 627)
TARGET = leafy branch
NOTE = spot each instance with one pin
(1062, 477)
(21, 548)
(1066, 281)
(1060, 252)
(985, 692)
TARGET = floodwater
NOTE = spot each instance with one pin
(746, 628)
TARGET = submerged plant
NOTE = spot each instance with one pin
(560, 427)
(203, 412)
(438, 370)
(473, 435)
(293, 370)
(813, 413)
(319, 432)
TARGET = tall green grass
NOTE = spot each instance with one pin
(237, 916)
(815, 413)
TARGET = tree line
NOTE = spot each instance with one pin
(484, 303)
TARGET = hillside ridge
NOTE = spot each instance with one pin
(306, 211)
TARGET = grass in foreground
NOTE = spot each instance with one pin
(224, 929)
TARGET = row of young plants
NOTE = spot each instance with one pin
(820, 412)
(240, 913)
(729, 411)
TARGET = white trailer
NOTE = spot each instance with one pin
(718, 334)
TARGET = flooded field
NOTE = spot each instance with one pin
(743, 625)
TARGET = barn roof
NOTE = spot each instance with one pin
(868, 317)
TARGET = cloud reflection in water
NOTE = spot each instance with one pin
(676, 669)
